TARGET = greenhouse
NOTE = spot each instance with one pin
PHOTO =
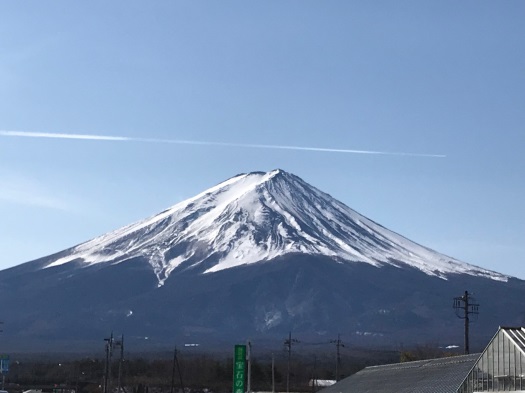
(499, 368)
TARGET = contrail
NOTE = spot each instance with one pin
(29, 134)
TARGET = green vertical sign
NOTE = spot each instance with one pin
(239, 367)
(4, 364)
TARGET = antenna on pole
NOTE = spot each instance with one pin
(338, 343)
(465, 306)
(288, 344)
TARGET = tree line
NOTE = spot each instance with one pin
(199, 372)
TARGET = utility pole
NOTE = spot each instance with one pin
(288, 343)
(464, 306)
(273, 374)
(338, 343)
(1, 372)
(314, 376)
(249, 365)
(173, 370)
(121, 361)
(107, 368)
(176, 363)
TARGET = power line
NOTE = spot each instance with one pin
(304, 343)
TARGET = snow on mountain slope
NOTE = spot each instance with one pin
(257, 217)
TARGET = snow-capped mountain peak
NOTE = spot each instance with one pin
(257, 217)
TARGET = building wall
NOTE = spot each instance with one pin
(501, 367)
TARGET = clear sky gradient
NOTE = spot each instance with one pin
(425, 77)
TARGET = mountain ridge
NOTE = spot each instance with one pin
(259, 216)
(325, 269)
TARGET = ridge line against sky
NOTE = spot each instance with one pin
(114, 111)
(31, 134)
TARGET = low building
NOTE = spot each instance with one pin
(499, 368)
(321, 383)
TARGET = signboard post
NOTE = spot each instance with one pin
(4, 363)
(239, 368)
(4, 367)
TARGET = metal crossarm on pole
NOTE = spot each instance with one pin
(288, 343)
(338, 343)
(465, 305)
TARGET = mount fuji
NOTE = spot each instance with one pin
(258, 255)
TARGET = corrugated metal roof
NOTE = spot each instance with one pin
(516, 335)
(443, 375)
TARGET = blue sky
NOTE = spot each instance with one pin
(424, 77)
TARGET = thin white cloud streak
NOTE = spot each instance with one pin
(29, 134)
